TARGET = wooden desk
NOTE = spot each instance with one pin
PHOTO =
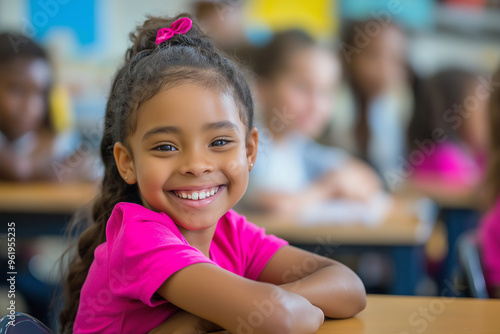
(461, 210)
(404, 224)
(408, 315)
(45, 197)
(403, 233)
(42, 208)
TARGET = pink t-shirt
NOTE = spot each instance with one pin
(143, 249)
(489, 238)
(449, 163)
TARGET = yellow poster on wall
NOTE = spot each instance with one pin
(317, 17)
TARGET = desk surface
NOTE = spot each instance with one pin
(45, 197)
(403, 225)
(405, 315)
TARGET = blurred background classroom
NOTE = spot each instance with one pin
(388, 101)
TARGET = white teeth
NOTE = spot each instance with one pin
(197, 195)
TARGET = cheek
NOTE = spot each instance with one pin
(236, 169)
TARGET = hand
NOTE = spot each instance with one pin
(356, 181)
(186, 323)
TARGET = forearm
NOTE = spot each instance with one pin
(279, 311)
(335, 289)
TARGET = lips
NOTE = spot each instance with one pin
(196, 194)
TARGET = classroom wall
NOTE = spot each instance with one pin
(85, 58)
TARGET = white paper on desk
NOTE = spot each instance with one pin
(345, 212)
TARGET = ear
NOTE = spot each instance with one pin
(252, 146)
(124, 162)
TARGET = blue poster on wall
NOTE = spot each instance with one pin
(78, 16)
(415, 14)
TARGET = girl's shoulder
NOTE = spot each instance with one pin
(130, 220)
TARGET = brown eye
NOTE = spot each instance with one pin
(219, 142)
(166, 148)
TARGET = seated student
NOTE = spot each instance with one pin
(489, 230)
(29, 145)
(295, 80)
(164, 252)
(447, 133)
(373, 103)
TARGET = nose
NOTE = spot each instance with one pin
(196, 162)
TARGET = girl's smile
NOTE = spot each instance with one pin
(189, 155)
(198, 197)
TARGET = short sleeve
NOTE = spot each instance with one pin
(257, 246)
(321, 158)
(144, 255)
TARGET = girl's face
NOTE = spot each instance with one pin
(301, 98)
(380, 64)
(24, 85)
(190, 155)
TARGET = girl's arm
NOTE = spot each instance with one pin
(239, 304)
(327, 284)
(186, 323)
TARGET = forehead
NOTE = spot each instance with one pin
(188, 106)
(314, 62)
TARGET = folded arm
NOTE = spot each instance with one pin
(327, 284)
(234, 302)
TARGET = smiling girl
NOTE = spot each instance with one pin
(165, 253)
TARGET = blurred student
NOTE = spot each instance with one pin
(372, 106)
(295, 80)
(489, 231)
(222, 20)
(29, 143)
(447, 134)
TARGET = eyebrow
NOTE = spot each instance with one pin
(161, 129)
(221, 125)
(176, 130)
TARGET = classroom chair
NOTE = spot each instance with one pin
(24, 324)
(470, 263)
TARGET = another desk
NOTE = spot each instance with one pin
(404, 232)
(460, 212)
(408, 315)
(42, 207)
(45, 197)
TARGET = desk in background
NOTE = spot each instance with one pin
(403, 232)
(42, 207)
(460, 212)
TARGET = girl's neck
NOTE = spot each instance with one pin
(199, 239)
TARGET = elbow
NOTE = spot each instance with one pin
(357, 304)
(352, 300)
(355, 300)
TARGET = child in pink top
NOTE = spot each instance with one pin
(447, 141)
(489, 230)
(165, 253)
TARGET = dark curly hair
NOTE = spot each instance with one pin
(148, 68)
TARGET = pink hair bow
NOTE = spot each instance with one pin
(180, 26)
